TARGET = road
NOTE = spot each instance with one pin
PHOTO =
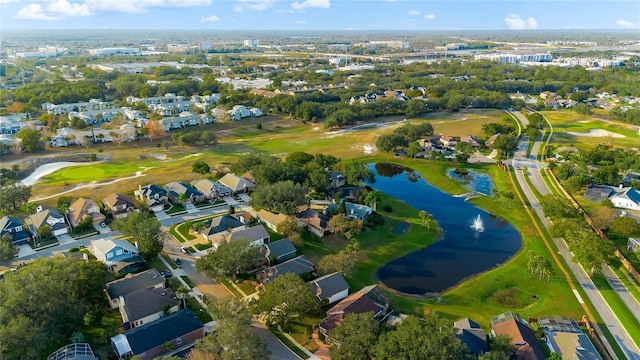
(622, 337)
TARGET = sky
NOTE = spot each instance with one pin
(516, 15)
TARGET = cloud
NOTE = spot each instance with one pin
(311, 4)
(413, 12)
(430, 16)
(67, 9)
(253, 5)
(515, 22)
(301, 22)
(34, 12)
(210, 18)
(625, 24)
(3, 2)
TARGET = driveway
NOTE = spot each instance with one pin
(65, 239)
(161, 215)
(245, 198)
(230, 201)
(101, 229)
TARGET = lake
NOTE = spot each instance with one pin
(459, 253)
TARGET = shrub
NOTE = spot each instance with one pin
(387, 208)
(93, 157)
(74, 249)
(259, 126)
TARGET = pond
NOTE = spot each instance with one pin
(472, 180)
(460, 253)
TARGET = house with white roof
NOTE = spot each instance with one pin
(626, 198)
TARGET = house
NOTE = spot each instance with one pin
(83, 209)
(236, 183)
(257, 235)
(151, 340)
(314, 221)
(218, 227)
(331, 287)
(551, 103)
(598, 193)
(270, 219)
(147, 279)
(491, 140)
(564, 337)
(472, 336)
(471, 140)
(278, 251)
(367, 299)
(14, 227)
(211, 189)
(633, 244)
(524, 343)
(155, 196)
(626, 198)
(46, 217)
(298, 265)
(357, 212)
(336, 180)
(178, 188)
(147, 305)
(113, 250)
(448, 141)
(75, 351)
(119, 205)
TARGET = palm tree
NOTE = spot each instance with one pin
(426, 218)
(182, 197)
(372, 199)
(183, 294)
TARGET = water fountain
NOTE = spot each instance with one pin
(478, 225)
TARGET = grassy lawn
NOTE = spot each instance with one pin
(203, 247)
(183, 229)
(200, 312)
(187, 280)
(464, 122)
(623, 314)
(301, 330)
(176, 209)
(98, 335)
(247, 287)
(226, 283)
(288, 343)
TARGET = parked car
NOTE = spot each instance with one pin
(178, 262)
(166, 273)
(102, 224)
(184, 250)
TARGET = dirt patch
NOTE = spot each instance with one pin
(597, 133)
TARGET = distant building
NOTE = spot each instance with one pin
(114, 51)
(251, 42)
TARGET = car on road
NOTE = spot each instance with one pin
(102, 224)
(178, 262)
(166, 273)
(184, 250)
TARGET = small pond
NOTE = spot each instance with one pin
(460, 252)
(472, 180)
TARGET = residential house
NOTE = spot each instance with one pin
(236, 183)
(177, 188)
(633, 244)
(626, 198)
(367, 299)
(564, 337)
(314, 221)
(330, 288)
(336, 180)
(147, 305)
(119, 205)
(547, 95)
(75, 351)
(491, 140)
(59, 141)
(211, 189)
(471, 140)
(46, 217)
(11, 124)
(257, 235)
(551, 103)
(357, 212)
(219, 227)
(83, 209)
(14, 227)
(524, 344)
(133, 282)
(155, 196)
(119, 255)
(448, 141)
(151, 340)
(472, 336)
(629, 177)
(240, 111)
(598, 193)
(278, 251)
(270, 219)
(298, 265)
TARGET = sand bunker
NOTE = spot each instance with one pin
(46, 169)
(597, 133)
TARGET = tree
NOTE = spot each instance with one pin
(625, 226)
(12, 197)
(356, 173)
(431, 338)
(426, 218)
(602, 217)
(390, 142)
(292, 230)
(317, 179)
(506, 144)
(355, 339)
(31, 140)
(200, 167)
(413, 149)
(63, 203)
(607, 175)
(582, 109)
(284, 299)
(229, 259)
(341, 262)
(283, 197)
(372, 199)
(144, 228)
(556, 208)
(591, 252)
(340, 224)
(154, 130)
(8, 250)
(299, 158)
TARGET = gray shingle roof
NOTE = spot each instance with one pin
(326, 286)
(280, 247)
(177, 187)
(299, 265)
(222, 223)
(253, 233)
(145, 302)
(134, 282)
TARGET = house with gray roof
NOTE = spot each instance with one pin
(47, 217)
(236, 183)
(219, 227)
(472, 336)
(354, 211)
(147, 305)
(257, 235)
(149, 341)
(278, 251)
(598, 193)
(177, 188)
(147, 279)
(14, 227)
(211, 189)
(299, 266)
(155, 196)
(316, 222)
(331, 287)
(564, 337)
(119, 205)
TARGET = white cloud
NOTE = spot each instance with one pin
(515, 22)
(413, 12)
(67, 9)
(34, 12)
(301, 22)
(210, 18)
(311, 4)
(430, 16)
(253, 5)
(3, 2)
(625, 24)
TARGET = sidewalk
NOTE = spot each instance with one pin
(179, 273)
